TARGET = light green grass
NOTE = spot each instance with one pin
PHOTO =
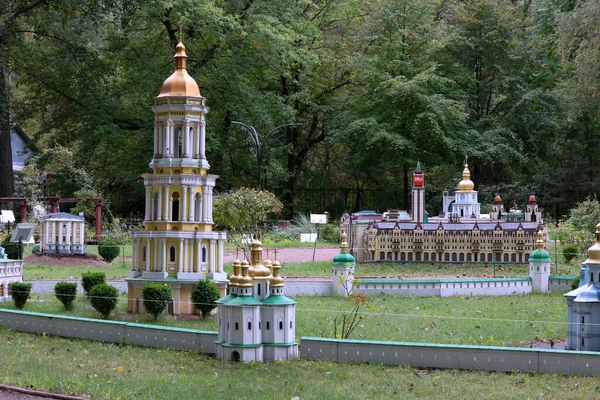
(495, 321)
(117, 270)
(105, 371)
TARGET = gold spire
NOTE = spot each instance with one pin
(180, 83)
(594, 251)
(539, 244)
(466, 185)
(344, 245)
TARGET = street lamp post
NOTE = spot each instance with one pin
(256, 140)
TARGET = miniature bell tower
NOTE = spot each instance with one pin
(418, 195)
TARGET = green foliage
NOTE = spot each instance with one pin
(570, 251)
(91, 279)
(66, 292)
(244, 210)
(575, 282)
(11, 249)
(108, 249)
(204, 296)
(20, 293)
(103, 298)
(156, 297)
(329, 233)
(580, 227)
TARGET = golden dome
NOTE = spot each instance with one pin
(594, 251)
(234, 279)
(539, 244)
(180, 83)
(276, 280)
(257, 269)
(245, 280)
(466, 185)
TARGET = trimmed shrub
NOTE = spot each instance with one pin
(156, 297)
(108, 249)
(329, 233)
(104, 299)
(204, 296)
(575, 282)
(570, 251)
(91, 279)
(20, 293)
(66, 292)
(11, 249)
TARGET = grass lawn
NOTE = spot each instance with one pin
(117, 270)
(105, 371)
(514, 320)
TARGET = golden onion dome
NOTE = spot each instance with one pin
(257, 269)
(234, 279)
(466, 185)
(276, 280)
(180, 83)
(594, 251)
(245, 280)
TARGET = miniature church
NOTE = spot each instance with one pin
(583, 305)
(177, 246)
(257, 322)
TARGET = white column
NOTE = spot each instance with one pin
(184, 213)
(202, 136)
(134, 243)
(155, 138)
(163, 248)
(209, 208)
(186, 252)
(181, 256)
(82, 233)
(198, 256)
(157, 256)
(60, 233)
(46, 240)
(204, 203)
(192, 204)
(220, 256)
(148, 241)
(159, 206)
(211, 255)
(148, 210)
(167, 214)
(53, 229)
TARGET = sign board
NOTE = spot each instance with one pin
(7, 216)
(24, 233)
(318, 218)
(308, 237)
(418, 180)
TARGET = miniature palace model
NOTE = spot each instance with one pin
(256, 321)
(177, 246)
(459, 234)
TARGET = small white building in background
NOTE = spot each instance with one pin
(11, 271)
(62, 233)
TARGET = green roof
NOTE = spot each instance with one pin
(344, 258)
(244, 301)
(226, 299)
(539, 256)
(278, 299)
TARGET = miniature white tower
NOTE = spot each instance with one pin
(253, 326)
(418, 195)
(177, 246)
(583, 306)
(466, 204)
(532, 211)
(539, 266)
(497, 208)
(343, 270)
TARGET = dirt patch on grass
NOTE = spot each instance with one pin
(66, 260)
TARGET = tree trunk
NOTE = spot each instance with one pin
(6, 169)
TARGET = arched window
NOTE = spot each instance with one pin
(237, 326)
(197, 207)
(9, 290)
(144, 253)
(203, 254)
(178, 143)
(259, 289)
(268, 325)
(249, 325)
(280, 325)
(1, 290)
(172, 254)
(175, 207)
